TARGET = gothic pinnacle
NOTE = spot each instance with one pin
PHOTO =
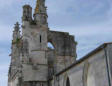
(37, 7)
(17, 26)
(40, 7)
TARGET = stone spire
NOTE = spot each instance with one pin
(16, 27)
(16, 32)
(15, 49)
(37, 7)
(40, 7)
(40, 14)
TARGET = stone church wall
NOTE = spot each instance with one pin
(109, 59)
(92, 71)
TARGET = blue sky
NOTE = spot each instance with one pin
(89, 20)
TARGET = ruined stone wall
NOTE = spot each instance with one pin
(65, 48)
(64, 43)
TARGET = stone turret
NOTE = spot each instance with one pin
(15, 42)
(27, 13)
(40, 15)
(16, 32)
(15, 53)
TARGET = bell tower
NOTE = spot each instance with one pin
(34, 49)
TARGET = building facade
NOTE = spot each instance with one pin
(35, 63)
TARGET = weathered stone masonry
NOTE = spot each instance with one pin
(34, 63)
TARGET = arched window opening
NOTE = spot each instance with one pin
(68, 82)
(50, 45)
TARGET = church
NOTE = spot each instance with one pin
(35, 63)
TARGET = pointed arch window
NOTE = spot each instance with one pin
(68, 82)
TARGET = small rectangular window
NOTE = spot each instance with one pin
(40, 39)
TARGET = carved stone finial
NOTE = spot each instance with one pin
(40, 7)
(37, 7)
(17, 26)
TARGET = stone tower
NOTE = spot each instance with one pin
(33, 62)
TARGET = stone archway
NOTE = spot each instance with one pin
(50, 45)
(66, 80)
